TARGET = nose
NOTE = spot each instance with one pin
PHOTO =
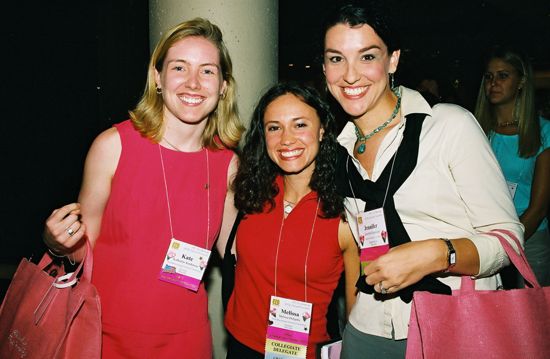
(492, 81)
(287, 138)
(351, 75)
(192, 81)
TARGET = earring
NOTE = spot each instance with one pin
(392, 81)
(159, 90)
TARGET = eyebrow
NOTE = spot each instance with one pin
(360, 50)
(187, 63)
(499, 71)
(293, 119)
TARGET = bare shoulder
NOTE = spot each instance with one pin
(233, 164)
(107, 143)
(232, 170)
(345, 237)
(105, 151)
(108, 139)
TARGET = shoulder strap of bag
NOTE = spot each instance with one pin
(233, 233)
(228, 264)
(69, 279)
(518, 260)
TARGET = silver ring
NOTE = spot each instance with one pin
(70, 231)
(382, 289)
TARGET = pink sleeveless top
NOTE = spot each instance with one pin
(135, 234)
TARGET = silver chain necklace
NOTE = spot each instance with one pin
(171, 145)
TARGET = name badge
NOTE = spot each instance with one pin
(512, 188)
(288, 328)
(373, 235)
(184, 264)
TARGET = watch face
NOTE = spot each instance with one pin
(452, 258)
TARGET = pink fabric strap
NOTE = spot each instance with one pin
(87, 263)
(518, 260)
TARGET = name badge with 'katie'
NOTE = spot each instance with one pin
(184, 264)
(288, 328)
(373, 235)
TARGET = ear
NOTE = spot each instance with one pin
(321, 133)
(394, 60)
(157, 79)
(521, 83)
(223, 89)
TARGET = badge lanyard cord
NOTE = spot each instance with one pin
(207, 195)
(307, 251)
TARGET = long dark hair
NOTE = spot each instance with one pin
(254, 183)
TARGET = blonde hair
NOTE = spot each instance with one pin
(223, 128)
(524, 109)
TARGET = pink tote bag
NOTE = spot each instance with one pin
(48, 313)
(470, 324)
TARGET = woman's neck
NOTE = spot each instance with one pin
(182, 136)
(379, 114)
(504, 113)
(296, 186)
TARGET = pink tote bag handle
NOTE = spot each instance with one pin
(518, 260)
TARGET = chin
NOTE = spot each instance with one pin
(292, 170)
(354, 112)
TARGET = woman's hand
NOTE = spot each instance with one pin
(64, 229)
(406, 264)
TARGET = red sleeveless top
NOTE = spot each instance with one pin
(257, 236)
(135, 233)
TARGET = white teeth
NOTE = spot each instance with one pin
(291, 153)
(354, 91)
(192, 100)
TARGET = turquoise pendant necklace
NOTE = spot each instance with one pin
(363, 138)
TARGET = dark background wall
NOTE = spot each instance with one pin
(71, 69)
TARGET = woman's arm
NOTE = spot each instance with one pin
(229, 210)
(351, 263)
(99, 168)
(406, 264)
(540, 195)
(476, 184)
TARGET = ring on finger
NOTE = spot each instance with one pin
(70, 231)
(382, 289)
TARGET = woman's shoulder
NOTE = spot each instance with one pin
(452, 126)
(454, 117)
(450, 111)
(545, 132)
(223, 155)
(544, 126)
(108, 138)
(106, 148)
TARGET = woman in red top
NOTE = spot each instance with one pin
(291, 243)
(158, 181)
